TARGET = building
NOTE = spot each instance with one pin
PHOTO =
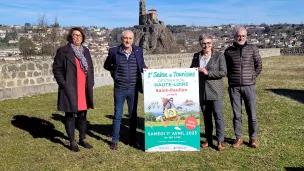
(147, 18)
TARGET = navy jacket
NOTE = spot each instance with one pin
(112, 61)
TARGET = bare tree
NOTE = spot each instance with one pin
(53, 40)
(56, 23)
(42, 22)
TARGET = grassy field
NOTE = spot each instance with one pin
(33, 137)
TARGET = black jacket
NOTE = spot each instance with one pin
(65, 73)
(244, 64)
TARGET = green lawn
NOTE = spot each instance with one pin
(32, 135)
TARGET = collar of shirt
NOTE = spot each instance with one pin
(126, 53)
(203, 61)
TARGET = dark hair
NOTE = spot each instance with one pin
(70, 35)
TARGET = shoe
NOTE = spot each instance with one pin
(205, 144)
(74, 147)
(159, 118)
(85, 144)
(113, 146)
(238, 142)
(220, 146)
(253, 143)
(135, 145)
(177, 128)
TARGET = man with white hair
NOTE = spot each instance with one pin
(244, 64)
(125, 63)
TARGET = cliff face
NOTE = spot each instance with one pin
(148, 19)
(155, 39)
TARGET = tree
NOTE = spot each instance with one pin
(181, 42)
(93, 35)
(298, 28)
(53, 40)
(47, 49)
(27, 24)
(11, 35)
(267, 29)
(27, 47)
(42, 23)
(263, 25)
(56, 23)
(150, 117)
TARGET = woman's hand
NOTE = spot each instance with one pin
(203, 70)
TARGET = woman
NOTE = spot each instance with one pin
(212, 68)
(74, 73)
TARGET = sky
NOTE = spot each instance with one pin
(124, 13)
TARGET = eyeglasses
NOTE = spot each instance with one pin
(239, 36)
(205, 43)
(77, 35)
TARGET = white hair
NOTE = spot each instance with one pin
(202, 37)
(123, 33)
(239, 29)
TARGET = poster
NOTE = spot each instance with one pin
(171, 106)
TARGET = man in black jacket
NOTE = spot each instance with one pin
(244, 64)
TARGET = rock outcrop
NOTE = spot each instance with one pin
(155, 39)
(151, 34)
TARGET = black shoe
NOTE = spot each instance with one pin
(85, 144)
(113, 146)
(135, 145)
(74, 147)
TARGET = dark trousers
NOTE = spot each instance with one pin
(214, 107)
(78, 119)
(248, 94)
(120, 95)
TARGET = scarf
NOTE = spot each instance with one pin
(80, 57)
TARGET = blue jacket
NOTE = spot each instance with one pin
(112, 61)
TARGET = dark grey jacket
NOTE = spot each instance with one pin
(244, 64)
(65, 73)
(211, 86)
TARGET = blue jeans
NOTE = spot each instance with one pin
(120, 95)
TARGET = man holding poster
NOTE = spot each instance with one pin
(125, 63)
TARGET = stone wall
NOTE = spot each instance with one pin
(24, 78)
(294, 51)
(270, 52)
